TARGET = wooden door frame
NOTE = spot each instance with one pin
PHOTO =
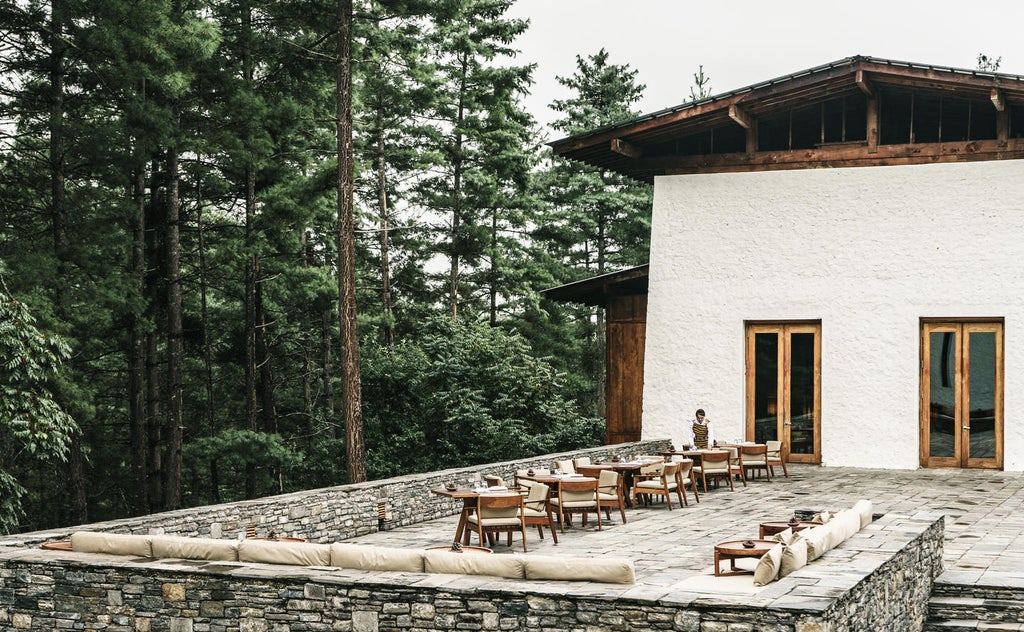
(962, 327)
(784, 328)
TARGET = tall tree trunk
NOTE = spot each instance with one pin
(175, 352)
(385, 254)
(492, 286)
(252, 261)
(457, 195)
(59, 218)
(211, 420)
(355, 450)
(266, 376)
(602, 374)
(137, 352)
(155, 305)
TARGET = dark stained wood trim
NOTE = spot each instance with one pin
(843, 156)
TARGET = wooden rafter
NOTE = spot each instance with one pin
(997, 99)
(741, 117)
(626, 148)
(864, 85)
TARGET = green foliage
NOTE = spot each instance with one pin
(31, 422)
(247, 462)
(465, 393)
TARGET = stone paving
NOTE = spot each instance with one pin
(984, 541)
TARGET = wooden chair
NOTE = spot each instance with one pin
(537, 510)
(714, 465)
(581, 460)
(567, 467)
(577, 496)
(610, 494)
(494, 481)
(684, 477)
(736, 463)
(774, 456)
(755, 457)
(498, 513)
(661, 482)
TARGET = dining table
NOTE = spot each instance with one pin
(469, 496)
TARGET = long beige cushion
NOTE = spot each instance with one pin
(297, 553)
(611, 570)
(818, 540)
(864, 509)
(794, 556)
(113, 543)
(847, 522)
(379, 558)
(474, 564)
(768, 566)
(185, 548)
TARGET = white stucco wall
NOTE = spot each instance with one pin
(868, 251)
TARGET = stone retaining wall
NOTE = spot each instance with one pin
(331, 514)
(879, 579)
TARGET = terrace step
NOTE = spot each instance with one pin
(962, 607)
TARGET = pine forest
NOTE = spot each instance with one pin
(253, 246)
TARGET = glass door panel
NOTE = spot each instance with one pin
(802, 409)
(962, 394)
(766, 387)
(942, 394)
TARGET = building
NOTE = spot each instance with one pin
(835, 263)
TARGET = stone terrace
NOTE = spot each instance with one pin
(983, 547)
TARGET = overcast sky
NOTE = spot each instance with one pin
(743, 42)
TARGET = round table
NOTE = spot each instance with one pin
(771, 528)
(733, 550)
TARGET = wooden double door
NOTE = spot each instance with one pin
(962, 393)
(783, 375)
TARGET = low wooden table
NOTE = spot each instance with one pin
(771, 528)
(734, 550)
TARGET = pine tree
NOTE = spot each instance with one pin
(597, 221)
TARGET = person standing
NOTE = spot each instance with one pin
(702, 435)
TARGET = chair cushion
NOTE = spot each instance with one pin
(768, 567)
(575, 504)
(794, 556)
(495, 522)
(473, 564)
(609, 497)
(295, 553)
(656, 484)
(183, 548)
(865, 511)
(381, 558)
(610, 570)
(530, 512)
(112, 543)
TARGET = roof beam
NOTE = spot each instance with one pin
(864, 85)
(997, 99)
(626, 148)
(741, 117)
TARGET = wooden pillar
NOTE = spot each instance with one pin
(626, 335)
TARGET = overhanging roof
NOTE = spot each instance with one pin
(620, 147)
(597, 290)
